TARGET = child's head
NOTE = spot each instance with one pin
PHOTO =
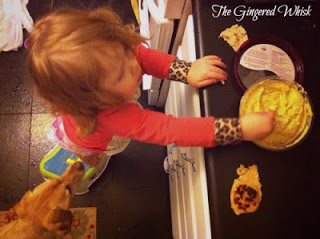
(82, 62)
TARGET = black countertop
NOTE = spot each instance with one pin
(290, 183)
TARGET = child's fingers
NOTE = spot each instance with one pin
(216, 76)
(211, 78)
(217, 63)
(207, 82)
(211, 57)
(271, 115)
(93, 163)
(216, 70)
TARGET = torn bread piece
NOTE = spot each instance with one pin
(235, 36)
(245, 195)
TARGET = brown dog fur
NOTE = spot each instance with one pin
(44, 212)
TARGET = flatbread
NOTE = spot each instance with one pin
(235, 36)
(246, 195)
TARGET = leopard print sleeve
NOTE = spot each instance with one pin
(227, 131)
(178, 71)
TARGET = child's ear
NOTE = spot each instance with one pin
(59, 221)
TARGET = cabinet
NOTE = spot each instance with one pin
(187, 174)
(158, 20)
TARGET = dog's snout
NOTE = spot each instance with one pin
(78, 166)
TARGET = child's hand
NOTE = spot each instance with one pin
(206, 71)
(257, 125)
(91, 160)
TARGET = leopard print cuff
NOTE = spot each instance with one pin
(227, 131)
(178, 71)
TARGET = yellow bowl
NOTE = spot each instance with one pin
(292, 107)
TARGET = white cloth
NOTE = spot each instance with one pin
(14, 16)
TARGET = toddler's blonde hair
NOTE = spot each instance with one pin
(65, 60)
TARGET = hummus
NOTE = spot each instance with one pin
(235, 36)
(291, 105)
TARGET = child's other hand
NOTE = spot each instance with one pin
(206, 71)
(257, 125)
(91, 160)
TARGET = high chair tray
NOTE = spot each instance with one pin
(58, 160)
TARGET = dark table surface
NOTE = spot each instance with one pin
(290, 183)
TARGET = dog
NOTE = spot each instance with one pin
(44, 212)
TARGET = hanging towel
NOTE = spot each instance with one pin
(14, 16)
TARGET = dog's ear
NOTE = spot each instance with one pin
(21, 208)
(59, 221)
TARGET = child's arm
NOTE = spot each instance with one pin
(202, 72)
(158, 128)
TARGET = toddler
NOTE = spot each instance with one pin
(87, 65)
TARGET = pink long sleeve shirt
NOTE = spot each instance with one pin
(130, 121)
